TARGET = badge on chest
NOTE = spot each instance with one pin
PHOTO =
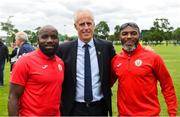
(138, 62)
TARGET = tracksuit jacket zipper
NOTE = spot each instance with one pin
(129, 57)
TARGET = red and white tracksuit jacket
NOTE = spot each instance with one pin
(138, 73)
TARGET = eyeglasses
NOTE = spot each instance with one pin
(131, 24)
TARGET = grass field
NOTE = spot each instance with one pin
(170, 54)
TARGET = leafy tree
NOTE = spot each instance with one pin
(116, 32)
(146, 36)
(32, 36)
(101, 30)
(9, 28)
(73, 38)
(151, 36)
(176, 35)
(66, 37)
(157, 36)
(112, 38)
(162, 27)
(160, 31)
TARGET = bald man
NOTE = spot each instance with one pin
(36, 80)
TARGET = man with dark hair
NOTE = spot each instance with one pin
(4, 53)
(138, 70)
(37, 77)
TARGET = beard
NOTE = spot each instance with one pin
(50, 52)
(129, 45)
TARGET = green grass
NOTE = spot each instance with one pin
(4, 91)
(170, 54)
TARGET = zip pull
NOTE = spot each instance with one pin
(129, 56)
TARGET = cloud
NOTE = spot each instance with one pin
(29, 14)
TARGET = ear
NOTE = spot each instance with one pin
(75, 26)
(94, 25)
(139, 35)
(119, 36)
(37, 38)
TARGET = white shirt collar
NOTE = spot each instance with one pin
(81, 43)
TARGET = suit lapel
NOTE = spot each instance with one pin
(73, 59)
(99, 53)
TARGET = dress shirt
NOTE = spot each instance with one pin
(96, 84)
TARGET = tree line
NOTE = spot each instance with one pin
(160, 32)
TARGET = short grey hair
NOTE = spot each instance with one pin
(76, 15)
(22, 35)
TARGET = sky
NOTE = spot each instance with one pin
(30, 14)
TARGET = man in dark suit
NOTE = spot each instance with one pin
(86, 88)
(3, 57)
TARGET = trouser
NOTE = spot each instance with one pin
(11, 67)
(97, 108)
(2, 63)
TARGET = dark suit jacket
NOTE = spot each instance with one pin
(68, 52)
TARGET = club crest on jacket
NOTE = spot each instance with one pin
(138, 62)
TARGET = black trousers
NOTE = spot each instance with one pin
(97, 108)
(2, 64)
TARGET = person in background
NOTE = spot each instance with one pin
(21, 47)
(138, 70)
(86, 88)
(36, 79)
(13, 56)
(22, 42)
(4, 53)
